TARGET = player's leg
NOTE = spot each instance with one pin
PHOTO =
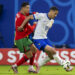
(33, 49)
(44, 60)
(57, 58)
(39, 43)
(48, 58)
(28, 54)
(31, 68)
(31, 63)
(51, 54)
(29, 45)
(32, 60)
(49, 50)
(55, 55)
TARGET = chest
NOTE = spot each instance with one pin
(46, 24)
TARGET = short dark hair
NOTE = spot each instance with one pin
(54, 8)
(24, 4)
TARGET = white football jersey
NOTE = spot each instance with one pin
(43, 25)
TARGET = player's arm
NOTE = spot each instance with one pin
(24, 23)
(33, 26)
(36, 16)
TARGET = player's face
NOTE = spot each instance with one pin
(53, 13)
(26, 9)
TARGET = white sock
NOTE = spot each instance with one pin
(30, 66)
(14, 65)
(43, 61)
(58, 59)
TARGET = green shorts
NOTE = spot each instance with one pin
(23, 44)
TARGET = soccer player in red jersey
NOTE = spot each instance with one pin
(24, 44)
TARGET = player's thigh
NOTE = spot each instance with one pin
(27, 43)
(48, 42)
(32, 46)
(19, 44)
(39, 43)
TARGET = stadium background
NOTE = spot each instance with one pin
(62, 32)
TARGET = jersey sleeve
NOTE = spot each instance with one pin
(38, 16)
(19, 20)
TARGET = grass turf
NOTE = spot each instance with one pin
(45, 70)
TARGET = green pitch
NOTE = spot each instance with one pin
(45, 70)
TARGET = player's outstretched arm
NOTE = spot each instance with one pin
(24, 22)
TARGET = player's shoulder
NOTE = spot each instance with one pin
(18, 15)
(21, 16)
(42, 14)
(46, 15)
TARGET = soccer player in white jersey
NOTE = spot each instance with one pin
(45, 22)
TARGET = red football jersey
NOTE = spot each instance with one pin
(27, 29)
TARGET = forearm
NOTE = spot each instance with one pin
(25, 21)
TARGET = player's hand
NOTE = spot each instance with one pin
(20, 28)
(31, 17)
(35, 23)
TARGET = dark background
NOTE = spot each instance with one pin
(62, 32)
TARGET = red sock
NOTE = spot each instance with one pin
(32, 59)
(22, 60)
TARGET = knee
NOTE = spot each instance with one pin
(53, 51)
(29, 54)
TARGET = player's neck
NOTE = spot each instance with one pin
(22, 12)
(49, 15)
